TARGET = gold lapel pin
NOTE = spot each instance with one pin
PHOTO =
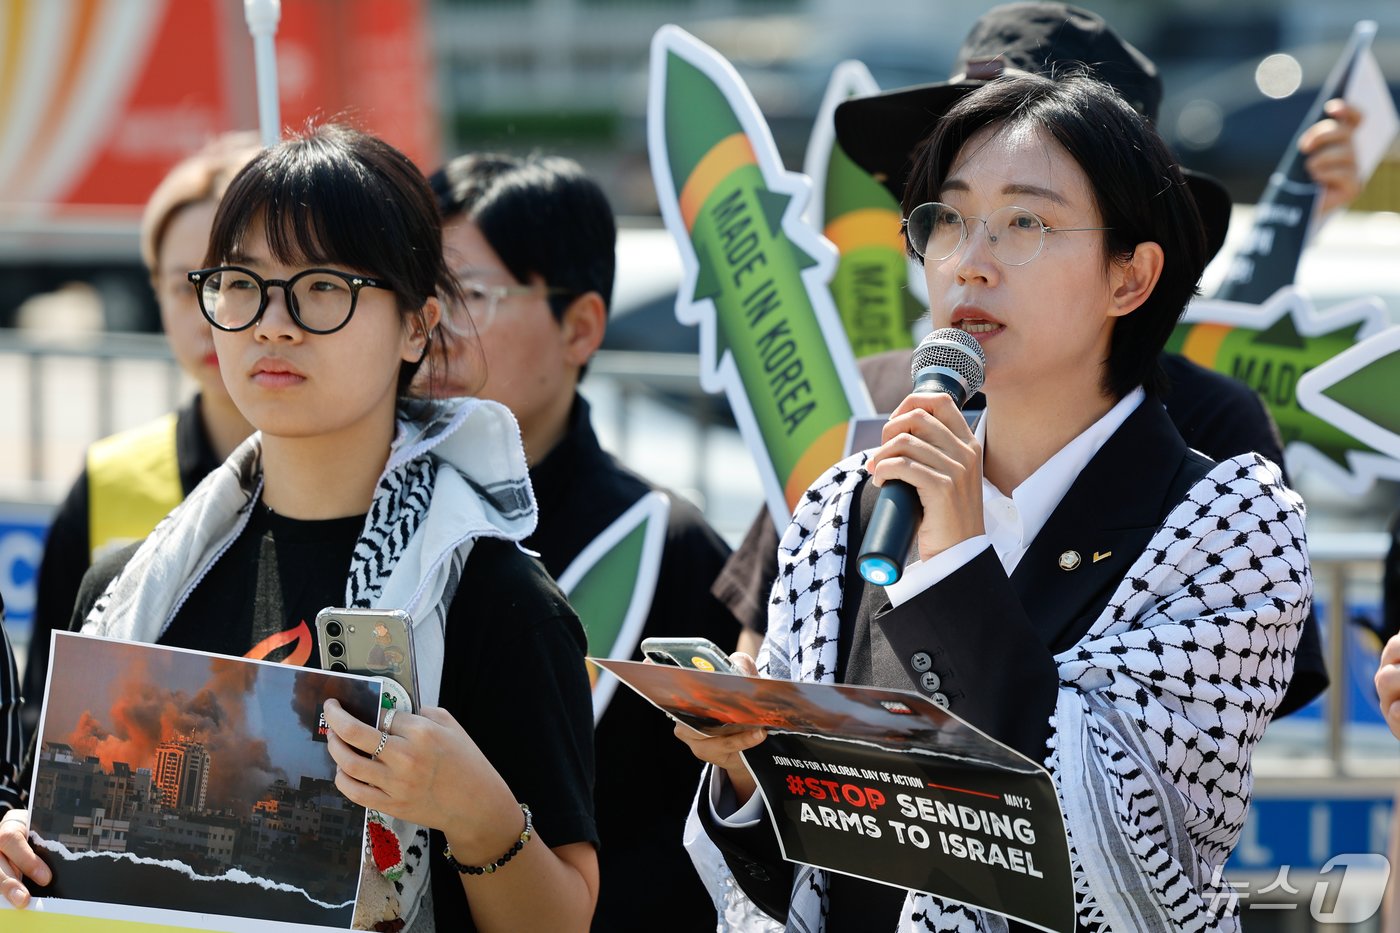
(1100, 555)
(1069, 560)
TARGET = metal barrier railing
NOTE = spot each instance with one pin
(35, 356)
(1337, 559)
(35, 365)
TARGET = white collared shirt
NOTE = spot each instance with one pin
(1013, 521)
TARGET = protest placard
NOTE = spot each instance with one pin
(178, 789)
(884, 785)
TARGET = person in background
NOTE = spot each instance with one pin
(1217, 415)
(532, 243)
(1387, 681)
(132, 479)
(324, 270)
(11, 729)
(1054, 228)
(1388, 684)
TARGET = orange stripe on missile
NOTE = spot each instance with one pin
(871, 226)
(824, 452)
(1202, 343)
(724, 157)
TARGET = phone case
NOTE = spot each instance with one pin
(378, 642)
(699, 654)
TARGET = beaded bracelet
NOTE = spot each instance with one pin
(510, 853)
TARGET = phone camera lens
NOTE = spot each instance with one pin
(333, 628)
(335, 649)
(338, 666)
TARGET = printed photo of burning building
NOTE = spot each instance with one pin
(187, 781)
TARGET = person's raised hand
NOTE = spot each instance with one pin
(927, 444)
(1388, 684)
(1330, 150)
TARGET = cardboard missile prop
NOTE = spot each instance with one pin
(1286, 215)
(1321, 375)
(1328, 379)
(861, 218)
(754, 274)
(611, 583)
(1357, 391)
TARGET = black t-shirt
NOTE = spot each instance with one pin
(291, 569)
(513, 671)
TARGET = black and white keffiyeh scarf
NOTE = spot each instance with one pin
(1159, 707)
(456, 472)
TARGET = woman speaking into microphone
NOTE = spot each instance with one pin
(1081, 586)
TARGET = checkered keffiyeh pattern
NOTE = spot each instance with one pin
(456, 472)
(1160, 703)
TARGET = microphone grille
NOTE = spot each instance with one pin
(952, 349)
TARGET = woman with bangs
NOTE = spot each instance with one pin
(1082, 586)
(325, 271)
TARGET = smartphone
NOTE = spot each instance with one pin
(698, 654)
(378, 642)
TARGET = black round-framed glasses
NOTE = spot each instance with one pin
(321, 301)
(1015, 235)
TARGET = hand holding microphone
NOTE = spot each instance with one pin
(947, 361)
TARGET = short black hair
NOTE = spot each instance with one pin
(1137, 186)
(339, 196)
(541, 214)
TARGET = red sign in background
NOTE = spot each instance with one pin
(98, 98)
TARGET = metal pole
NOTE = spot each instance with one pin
(35, 366)
(262, 17)
(1336, 666)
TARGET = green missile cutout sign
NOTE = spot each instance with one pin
(755, 276)
(1328, 379)
(861, 218)
(1357, 391)
(611, 582)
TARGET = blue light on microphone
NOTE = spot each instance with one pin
(879, 571)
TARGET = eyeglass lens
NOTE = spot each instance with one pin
(320, 301)
(1014, 234)
(481, 304)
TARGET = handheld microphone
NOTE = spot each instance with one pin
(948, 360)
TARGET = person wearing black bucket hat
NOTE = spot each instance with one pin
(881, 133)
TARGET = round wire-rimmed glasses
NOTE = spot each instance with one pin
(483, 299)
(1015, 235)
(321, 301)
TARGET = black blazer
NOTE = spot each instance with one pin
(994, 665)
